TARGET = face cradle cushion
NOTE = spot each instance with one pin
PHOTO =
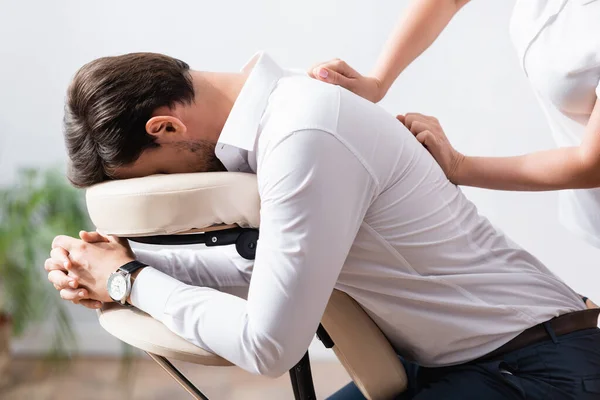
(172, 204)
(221, 208)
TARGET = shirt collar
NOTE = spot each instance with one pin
(240, 131)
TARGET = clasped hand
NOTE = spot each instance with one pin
(79, 268)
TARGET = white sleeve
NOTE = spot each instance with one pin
(198, 267)
(314, 195)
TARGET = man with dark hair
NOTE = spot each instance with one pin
(349, 200)
(109, 105)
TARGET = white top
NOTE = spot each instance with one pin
(351, 200)
(558, 42)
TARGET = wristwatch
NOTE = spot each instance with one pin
(118, 285)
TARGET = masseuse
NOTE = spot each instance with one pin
(558, 43)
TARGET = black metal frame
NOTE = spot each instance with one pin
(301, 377)
(245, 240)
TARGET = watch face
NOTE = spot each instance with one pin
(117, 286)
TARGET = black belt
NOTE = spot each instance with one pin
(562, 325)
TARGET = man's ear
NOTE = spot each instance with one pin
(166, 128)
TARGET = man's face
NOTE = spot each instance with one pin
(173, 158)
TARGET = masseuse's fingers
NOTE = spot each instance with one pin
(419, 126)
(427, 139)
(590, 304)
(429, 132)
(313, 71)
(410, 118)
(336, 72)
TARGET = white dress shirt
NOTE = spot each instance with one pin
(558, 42)
(349, 200)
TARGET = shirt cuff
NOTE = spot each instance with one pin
(151, 291)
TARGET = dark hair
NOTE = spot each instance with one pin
(108, 104)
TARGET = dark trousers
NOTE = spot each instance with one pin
(560, 368)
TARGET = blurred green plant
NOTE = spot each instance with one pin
(36, 208)
(33, 210)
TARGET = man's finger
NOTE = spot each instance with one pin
(60, 280)
(74, 295)
(401, 118)
(51, 264)
(118, 240)
(93, 304)
(66, 242)
(61, 256)
(92, 237)
(121, 241)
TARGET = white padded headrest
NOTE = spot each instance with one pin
(176, 203)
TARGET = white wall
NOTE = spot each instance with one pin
(470, 80)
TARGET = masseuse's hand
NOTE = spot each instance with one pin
(429, 132)
(339, 73)
(590, 304)
(79, 269)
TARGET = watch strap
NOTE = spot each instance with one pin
(132, 266)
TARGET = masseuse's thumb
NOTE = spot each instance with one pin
(334, 77)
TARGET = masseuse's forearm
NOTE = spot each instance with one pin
(564, 168)
(416, 30)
